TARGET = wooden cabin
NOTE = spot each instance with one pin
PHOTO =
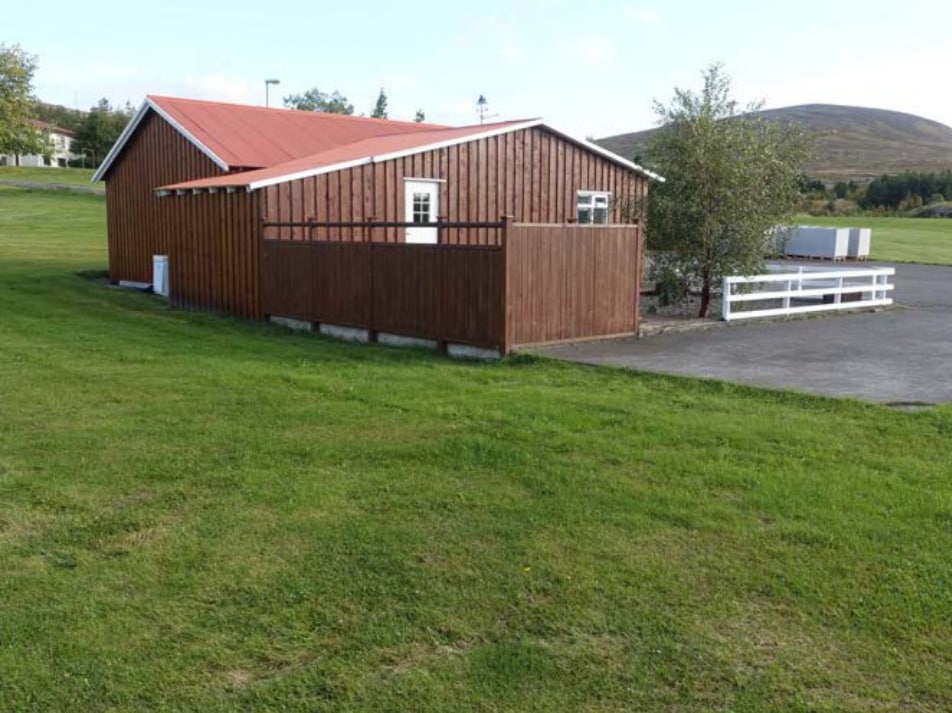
(207, 184)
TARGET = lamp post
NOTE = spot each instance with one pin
(267, 86)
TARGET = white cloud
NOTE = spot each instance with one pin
(217, 87)
(492, 36)
(594, 50)
(641, 15)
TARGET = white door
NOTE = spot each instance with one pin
(422, 208)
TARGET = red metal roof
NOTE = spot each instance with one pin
(52, 128)
(245, 136)
(362, 151)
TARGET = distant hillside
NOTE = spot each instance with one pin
(852, 142)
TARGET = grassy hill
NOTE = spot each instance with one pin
(198, 513)
(50, 175)
(852, 142)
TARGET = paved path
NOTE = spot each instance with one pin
(901, 355)
(67, 187)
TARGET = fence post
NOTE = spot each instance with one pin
(786, 297)
(639, 267)
(505, 338)
(838, 297)
(726, 300)
(506, 221)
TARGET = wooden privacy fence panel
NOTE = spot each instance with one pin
(570, 282)
(546, 283)
(318, 282)
(448, 293)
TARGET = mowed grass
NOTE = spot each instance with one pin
(202, 514)
(72, 176)
(924, 240)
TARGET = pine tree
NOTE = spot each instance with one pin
(380, 108)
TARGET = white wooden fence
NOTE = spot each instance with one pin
(808, 290)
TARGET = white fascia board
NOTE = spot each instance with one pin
(307, 173)
(458, 140)
(595, 148)
(127, 132)
(134, 124)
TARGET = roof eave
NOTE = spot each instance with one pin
(595, 148)
(307, 173)
(130, 129)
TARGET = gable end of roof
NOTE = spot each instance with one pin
(130, 129)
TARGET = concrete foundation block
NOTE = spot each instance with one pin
(464, 351)
(398, 340)
(347, 334)
(297, 325)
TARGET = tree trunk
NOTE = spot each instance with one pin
(16, 159)
(705, 297)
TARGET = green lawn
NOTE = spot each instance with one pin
(925, 240)
(202, 514)
(75, 176)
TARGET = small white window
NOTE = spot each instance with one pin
(421, 208)
(592, 207)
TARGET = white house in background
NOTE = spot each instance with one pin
(59, 140)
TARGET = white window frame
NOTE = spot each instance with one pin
(591, 204)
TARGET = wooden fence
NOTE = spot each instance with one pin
(441, 292)
(570, 282)
(543, 283)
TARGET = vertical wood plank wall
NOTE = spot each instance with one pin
(452, 293)
(212, 240)
(571, 282)
(532, 175)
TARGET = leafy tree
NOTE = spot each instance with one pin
(17, 134)
(731, 177)
(380, 108)
(316, 100)
(419, 117)
(811, 186)
(100, 130)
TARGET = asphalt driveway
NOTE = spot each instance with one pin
(902, 355)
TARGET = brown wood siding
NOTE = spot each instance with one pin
(212, 240)
(214, 252)
(571, 282)
(139, 224)
(532, 175)
(451, 293)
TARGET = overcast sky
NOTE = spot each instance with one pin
(591, 68)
